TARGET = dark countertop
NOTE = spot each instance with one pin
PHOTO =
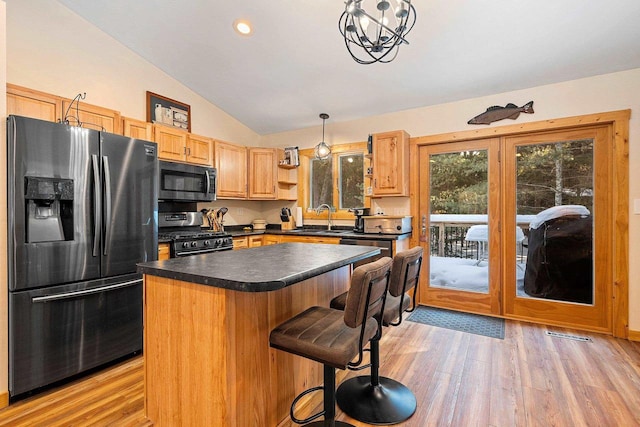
(342, 233)
(261, 269)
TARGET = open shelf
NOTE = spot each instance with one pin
(287, 166)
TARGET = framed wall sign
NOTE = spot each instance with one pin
(167, 111)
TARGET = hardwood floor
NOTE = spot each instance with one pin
(460, 379)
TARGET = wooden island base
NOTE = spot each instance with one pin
(207, 357)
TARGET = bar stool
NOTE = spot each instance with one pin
(379, 400)
(334, 338)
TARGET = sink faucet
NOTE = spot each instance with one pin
(328, 208)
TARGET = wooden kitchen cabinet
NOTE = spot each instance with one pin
(244, 242)
(26, 102)
(137, 129)
(199, 150)
(22, 101)
(180, 146)
(255, 241)
(270, 239)
(390, 164)
(231, 163)
(262, 173)
(163, 251)
(309, 239)
(240, 242)
(79, 113)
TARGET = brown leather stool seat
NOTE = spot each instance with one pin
(334, 338)
(373, 399)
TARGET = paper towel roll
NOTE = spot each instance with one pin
(298, 216)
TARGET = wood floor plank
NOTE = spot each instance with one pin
(459, 379)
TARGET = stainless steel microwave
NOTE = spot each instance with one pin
(186, 183)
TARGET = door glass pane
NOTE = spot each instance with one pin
(321, 183)
(351, 181)
(458, 202)
(555, 196)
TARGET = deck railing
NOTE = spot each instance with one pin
(447, 235)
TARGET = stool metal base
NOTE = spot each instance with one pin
(390, 402)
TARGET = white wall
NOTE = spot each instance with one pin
(53, 50)
(610, 92)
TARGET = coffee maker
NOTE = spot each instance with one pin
(359, 213)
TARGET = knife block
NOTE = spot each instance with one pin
(290, 225)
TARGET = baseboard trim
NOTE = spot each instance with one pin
(634, 335)
(4, 399)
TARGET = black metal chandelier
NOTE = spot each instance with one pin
(376, 36)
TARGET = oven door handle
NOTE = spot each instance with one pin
(202, 251)
(85, 292)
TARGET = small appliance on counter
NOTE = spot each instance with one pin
(359, 223)
(387, 224)
(259, 224)
(288, 222)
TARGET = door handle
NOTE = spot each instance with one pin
(107, 194)
(85, 292)
(97, 204)
(208, 180)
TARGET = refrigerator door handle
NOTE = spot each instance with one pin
(97, 205)
(85, 292)
(107, 194)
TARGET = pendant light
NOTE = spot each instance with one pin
(322, 150)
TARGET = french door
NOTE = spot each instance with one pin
(460, 204)
(564, 180)
(519, 226)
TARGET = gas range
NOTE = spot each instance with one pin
(186, 237)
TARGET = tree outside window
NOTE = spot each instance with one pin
(338, 181)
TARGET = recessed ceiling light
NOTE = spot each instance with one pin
(242, 27)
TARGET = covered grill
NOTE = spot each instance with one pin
(560, 255)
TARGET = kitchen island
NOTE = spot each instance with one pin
(207, 320)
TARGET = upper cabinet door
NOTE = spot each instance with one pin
(172, 143)
(199, 150)
(91, 116)
(137, 129)
(391, 164)
(31, 103)
(262, 173)
(231, 163)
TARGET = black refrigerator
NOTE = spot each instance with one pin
(82, 211)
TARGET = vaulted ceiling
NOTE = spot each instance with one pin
(295, 65)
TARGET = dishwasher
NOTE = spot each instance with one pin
(386, 248)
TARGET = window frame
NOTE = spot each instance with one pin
(304, 180)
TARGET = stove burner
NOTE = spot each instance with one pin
(189, 238)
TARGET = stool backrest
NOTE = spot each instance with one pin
(405, 271)
(369, 284)
(405, 275)
(366, 298)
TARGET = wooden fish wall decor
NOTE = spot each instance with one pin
(495, 113)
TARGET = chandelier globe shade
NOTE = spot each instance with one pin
(373, 30)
